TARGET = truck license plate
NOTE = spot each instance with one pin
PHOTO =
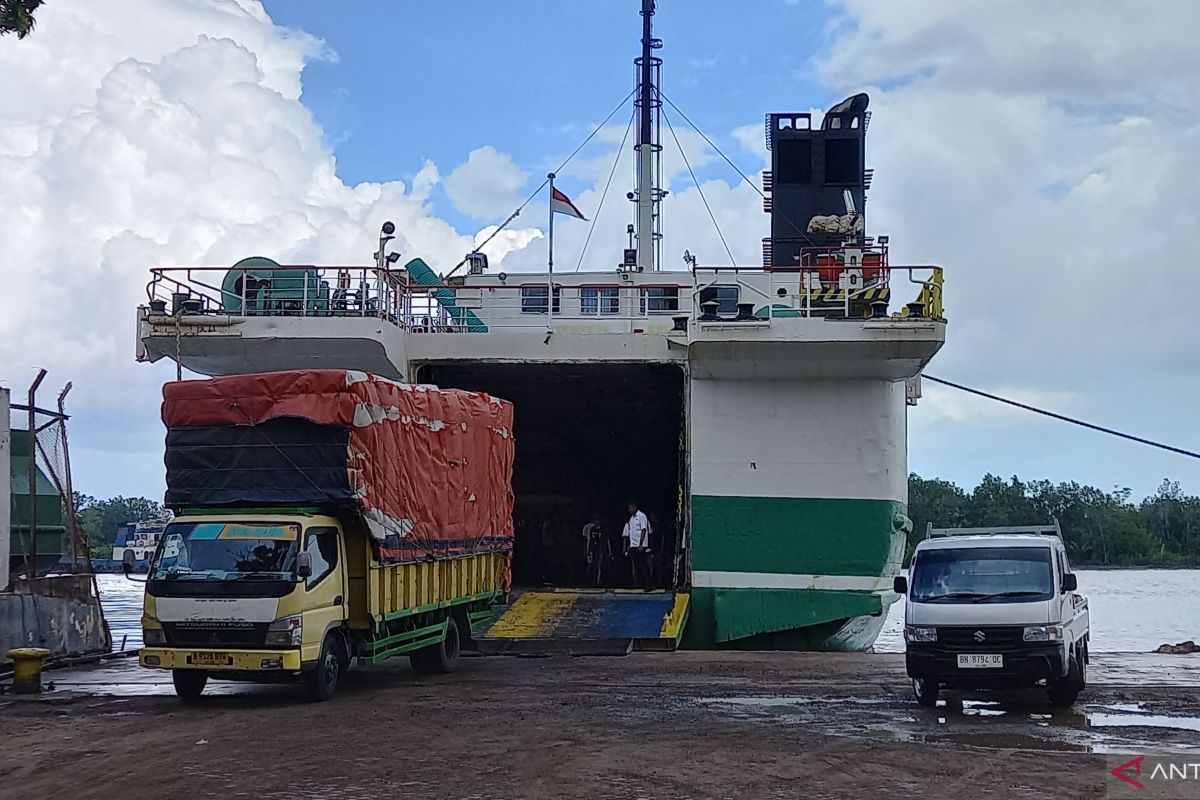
(979, 661)
(214, 659)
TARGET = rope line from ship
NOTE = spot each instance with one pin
(604, 194)
(541, 186)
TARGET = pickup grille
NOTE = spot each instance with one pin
(215, 634)
(994, 638)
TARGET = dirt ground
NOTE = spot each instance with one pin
(744, 725)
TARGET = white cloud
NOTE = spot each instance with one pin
(171, 133)
(1042, 152)
(486, 185)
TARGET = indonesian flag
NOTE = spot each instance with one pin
(561, 204)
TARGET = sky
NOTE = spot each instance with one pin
(1044, 153)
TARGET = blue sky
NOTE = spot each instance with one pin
(533, 78)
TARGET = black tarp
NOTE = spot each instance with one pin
(286, 461)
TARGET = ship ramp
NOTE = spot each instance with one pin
(587, 622)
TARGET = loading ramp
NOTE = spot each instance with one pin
(587, 622)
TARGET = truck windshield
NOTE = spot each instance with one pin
(982, 575)
(226, 551)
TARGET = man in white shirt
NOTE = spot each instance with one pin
(637, 546)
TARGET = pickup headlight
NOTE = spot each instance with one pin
(915, 634)
(286, 632)
(1043, 633)
(154, 637)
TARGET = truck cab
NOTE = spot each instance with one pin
(994, 608)
(250, 596)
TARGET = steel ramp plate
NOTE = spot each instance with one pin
(587, 623)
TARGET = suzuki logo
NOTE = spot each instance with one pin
(980, 636)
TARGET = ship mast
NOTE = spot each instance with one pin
(648, 103)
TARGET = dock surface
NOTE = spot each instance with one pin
(685, 724)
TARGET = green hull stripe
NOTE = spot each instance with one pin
(814, 536)
(780, 619)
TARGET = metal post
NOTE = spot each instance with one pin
(5, 488)
(68, 490)
(550, 262)
(32, 400)
(647, 189)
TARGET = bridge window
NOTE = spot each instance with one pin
(664, 298)
(726, 296)
(533, 299)
(595, 300)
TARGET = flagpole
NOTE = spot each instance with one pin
(550, 264)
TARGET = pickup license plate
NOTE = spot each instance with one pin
(212, 659)
(980, 661)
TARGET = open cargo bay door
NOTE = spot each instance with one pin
(589, 439)
(582, 622)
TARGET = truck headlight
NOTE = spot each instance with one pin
(154, 637)
(286, 632)
(1043, 633)
(915, 634)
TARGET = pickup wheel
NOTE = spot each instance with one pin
(440, 658)
(189, 684)
(321, 683)
(926, 692)
(1065, 691)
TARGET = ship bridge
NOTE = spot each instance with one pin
(839, 317)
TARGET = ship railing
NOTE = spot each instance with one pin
(757, 295)
(300, 290)
(512, 302)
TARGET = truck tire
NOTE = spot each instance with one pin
(189, 684)
(440, 658)
(322, 681)
(926, 692)
(1065, 691)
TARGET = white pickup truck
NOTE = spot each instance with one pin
(994, 608)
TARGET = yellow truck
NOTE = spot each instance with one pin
(335, 519)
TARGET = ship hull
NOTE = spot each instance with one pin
(798, 512)
(792, 574)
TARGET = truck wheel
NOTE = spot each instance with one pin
(926, 692)
(1065, 691)
(321, 683)
(189, 684)
(440, 658)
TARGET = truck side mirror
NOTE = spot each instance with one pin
(304, 565)
(127, 562)
(900, 585)
(1070, 582)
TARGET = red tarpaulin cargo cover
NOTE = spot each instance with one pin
(430, 469)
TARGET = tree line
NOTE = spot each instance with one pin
(1100, 528)
(99, 518)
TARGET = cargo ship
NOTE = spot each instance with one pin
(140, 538)
(757, 414)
